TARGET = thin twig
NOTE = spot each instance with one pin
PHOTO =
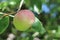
(5, 14)
(21, 3)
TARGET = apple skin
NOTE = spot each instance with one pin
(23, 20)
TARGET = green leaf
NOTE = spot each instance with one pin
(57, 34)
(34, 5)
(13, 4)
(4, 22)
(14, 31)
(58, 8)
(27, 2)
(1, 39)
(3, 5)
(58, 1)
(38, 26)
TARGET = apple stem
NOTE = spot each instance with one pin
(21, 3)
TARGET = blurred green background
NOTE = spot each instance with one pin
(47, 11)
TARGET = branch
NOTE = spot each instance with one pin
(21, 3)
(5, 14)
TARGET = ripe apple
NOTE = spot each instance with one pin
(23, 20)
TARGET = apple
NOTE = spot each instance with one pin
(23, 20)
